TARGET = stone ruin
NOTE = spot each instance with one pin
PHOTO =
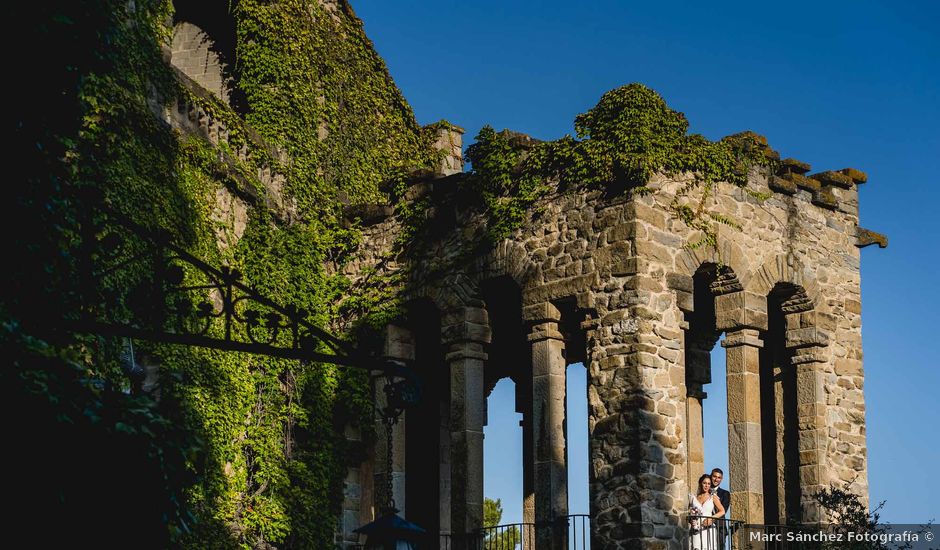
(608, 280)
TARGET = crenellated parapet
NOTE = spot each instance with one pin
(829, 189)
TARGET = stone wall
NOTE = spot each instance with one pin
(620, 267)
(192, 53)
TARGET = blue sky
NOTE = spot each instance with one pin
(834, 84)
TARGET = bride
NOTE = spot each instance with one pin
(703, 508)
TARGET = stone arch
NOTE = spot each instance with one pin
(792, 397)
(783, 269)
(193, 53)
(203, 47)
(508, 258)
(453, 292)
(728, 254)
(709, 281)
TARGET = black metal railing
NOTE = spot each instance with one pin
(780, 537)
(572, 532)
(726, 534)
(713, 533)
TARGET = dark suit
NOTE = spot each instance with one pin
(724, 497)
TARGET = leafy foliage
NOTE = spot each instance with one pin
(846, 513)
(504, 539)
(630, 135)
(240, 451)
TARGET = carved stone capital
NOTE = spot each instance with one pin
(740, 310)
(743, 337)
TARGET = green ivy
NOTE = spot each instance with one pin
(630, 135)
(253, 447)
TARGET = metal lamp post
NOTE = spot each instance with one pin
(390, 531)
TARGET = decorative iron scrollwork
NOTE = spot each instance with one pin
(184, 300)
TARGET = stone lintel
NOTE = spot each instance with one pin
(743, 337)
(562, 288)
(740, 310)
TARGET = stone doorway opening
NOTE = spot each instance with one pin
(579, 501)
(715, 417)
(503, 469)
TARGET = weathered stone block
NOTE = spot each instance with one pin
(741, 309)
(848, 367)
(806, 337)
(545, 311)
(856, 176)
(792, 165)
(472, 332)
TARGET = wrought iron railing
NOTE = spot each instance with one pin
(572, 532)
(714, 534)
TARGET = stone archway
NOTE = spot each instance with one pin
(202, 48)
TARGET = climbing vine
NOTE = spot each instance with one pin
(251, 449)
(246, 451)
(630, 135)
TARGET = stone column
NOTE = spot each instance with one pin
(697, 374)
(742, 315)
(465, 333)
(637, 396)
(548, 421)
(695, 433)
(444, 493)
(399, 344)
(805, 338)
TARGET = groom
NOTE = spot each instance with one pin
(725, 498)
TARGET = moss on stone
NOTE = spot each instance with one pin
(857, 175)
(794, 166)
(834, 178)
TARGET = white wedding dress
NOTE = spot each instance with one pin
(703, 538)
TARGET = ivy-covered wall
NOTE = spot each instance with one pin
(240, 450)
